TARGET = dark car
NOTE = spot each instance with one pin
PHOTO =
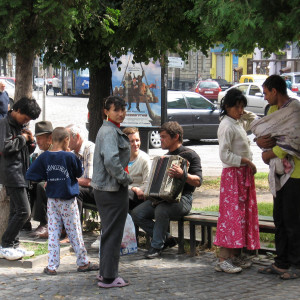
(209, 89)
(224, 84)
(198, 117)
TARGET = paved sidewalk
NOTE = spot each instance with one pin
(172, 276)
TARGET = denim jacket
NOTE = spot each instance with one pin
(111, 156)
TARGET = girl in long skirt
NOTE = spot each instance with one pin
(238, 217)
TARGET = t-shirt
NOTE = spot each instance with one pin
(195, 165)
(60, 169)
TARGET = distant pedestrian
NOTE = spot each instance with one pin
(238, 217)
(4, 100)
(61, 169)
(16, 144)
(288, 83)
(55, 85)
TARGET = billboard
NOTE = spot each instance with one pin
(140, 85)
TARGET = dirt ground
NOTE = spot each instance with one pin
(207, 197)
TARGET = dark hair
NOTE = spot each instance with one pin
(232, 97)
(59, 134)
(276, 82)
(130, 130)
(116, 100)
(172, 128)
(28, 107)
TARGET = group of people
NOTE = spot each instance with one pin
(113, 173)
(278, 136)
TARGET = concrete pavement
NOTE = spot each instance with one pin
(172, 276)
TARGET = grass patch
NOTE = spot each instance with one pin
(264, 209)
(38, 248)
(261, 182)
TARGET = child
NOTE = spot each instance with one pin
(61, 169)
(238, 217)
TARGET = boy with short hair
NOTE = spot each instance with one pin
(61, 168)
(16, 144)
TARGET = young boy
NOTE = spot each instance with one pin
(16, 144)
(61, 169)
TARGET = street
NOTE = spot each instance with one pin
(64, 110)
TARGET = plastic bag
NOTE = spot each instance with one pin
(129, 244)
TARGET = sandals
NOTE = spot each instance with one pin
(271, 269)
(99, 278)
(49, 272)
(87, 268)
(291, 273)
(118, 282)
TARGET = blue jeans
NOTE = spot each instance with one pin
(18, 215)
(144, 214)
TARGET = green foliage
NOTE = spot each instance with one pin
(243, 25)
(25, 25)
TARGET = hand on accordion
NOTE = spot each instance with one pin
(175, 171)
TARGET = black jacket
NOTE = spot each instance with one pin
(14, 153)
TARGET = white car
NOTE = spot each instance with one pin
(255, 97)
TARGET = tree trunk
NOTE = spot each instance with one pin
(4, 210)
(100, 88)
(24, 62)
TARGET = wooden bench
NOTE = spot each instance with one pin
(208, 220)
(179, 220)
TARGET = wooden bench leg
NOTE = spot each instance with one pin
(209, 236)
(180, 237)
(192, 239)
(203, 235)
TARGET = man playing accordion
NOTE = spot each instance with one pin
(171, 135)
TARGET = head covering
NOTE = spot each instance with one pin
(43, 127)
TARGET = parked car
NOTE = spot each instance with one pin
(224, 84)
(10, 79)
(38, 84)
(209, 89)
(257, 78)
(255, 97)
(295, 80)
(198, 116)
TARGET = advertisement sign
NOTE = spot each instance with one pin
(140, 85)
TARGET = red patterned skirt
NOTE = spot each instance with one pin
(238, 217)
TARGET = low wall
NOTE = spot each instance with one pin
(4, 210)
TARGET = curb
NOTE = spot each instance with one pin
(31, 263)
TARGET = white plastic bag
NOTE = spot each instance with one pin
(129, 244)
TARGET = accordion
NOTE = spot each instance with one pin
(162, 187)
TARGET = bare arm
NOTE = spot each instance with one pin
(176, 172)
(84, 181)
(267, 156)
(266, 142)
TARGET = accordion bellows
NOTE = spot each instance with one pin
(160, 185)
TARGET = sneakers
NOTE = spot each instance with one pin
(242, 262)
(227, 266)
(10, 253)
(152, 253)
(96, 244)
(25, 252)
(169, 243)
